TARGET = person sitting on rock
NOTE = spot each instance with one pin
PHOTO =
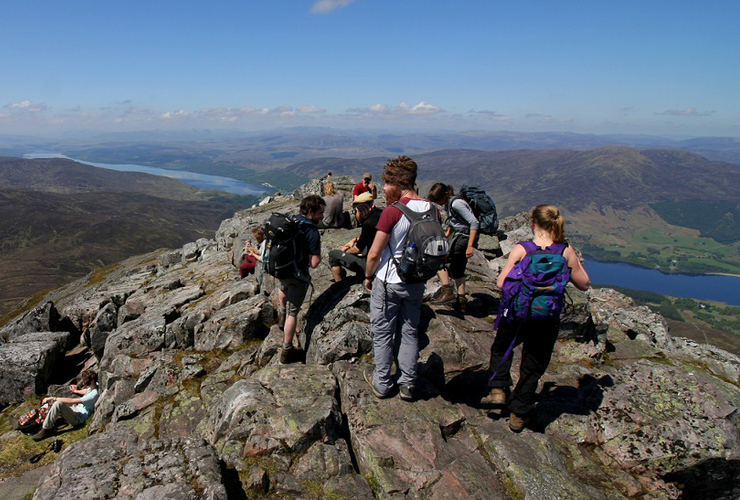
(74, 411)
(353, 254)
(334, 207)
(253, 255)
(365, 186)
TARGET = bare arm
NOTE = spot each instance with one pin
(517, 254)
(578, 274)
(471, 242)
(315, 261)
(68, 401)
(350, 247)
(373, 256)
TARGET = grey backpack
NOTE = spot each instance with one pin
(425, 249)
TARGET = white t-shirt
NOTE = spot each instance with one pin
(398, 228)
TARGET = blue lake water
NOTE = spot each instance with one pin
(201, 181)
(712, 287)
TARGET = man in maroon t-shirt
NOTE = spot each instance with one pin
(395, 305)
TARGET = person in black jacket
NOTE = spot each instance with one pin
(353, 254)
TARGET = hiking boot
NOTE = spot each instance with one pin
(281, 318)
(497, 397)
(288, 355)
(367, 374)
(447, 295)
(462, 303)
(517, 423)
(43, 434)
(406, 392)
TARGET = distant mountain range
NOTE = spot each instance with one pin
(645, 207)
(248, 154)
(614, 176)
(61, 219)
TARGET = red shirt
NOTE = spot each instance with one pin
(360, 188)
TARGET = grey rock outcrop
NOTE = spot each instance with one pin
(26, 364)
(195, 404)
(119, 464)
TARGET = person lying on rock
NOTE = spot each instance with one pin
(353, 254)
(74, 411)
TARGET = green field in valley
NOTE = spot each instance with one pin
(653, 247)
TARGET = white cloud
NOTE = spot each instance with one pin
(424, 108)
(310, 109)
(284, 111)
(175, 115)
(403, 109)
(248, 110)
(236, 115)
(378, 108)
(326, 6)
(26, 106)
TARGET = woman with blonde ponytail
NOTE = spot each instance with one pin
(537, 336)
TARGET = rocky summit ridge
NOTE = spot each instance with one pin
(195, 403)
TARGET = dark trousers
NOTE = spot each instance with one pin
(538, 339)
(348, 260)
(457, 261)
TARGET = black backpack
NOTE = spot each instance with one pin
(286, 250)
(483, 207)
(425, 249)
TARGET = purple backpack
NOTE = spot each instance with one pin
(535, 287)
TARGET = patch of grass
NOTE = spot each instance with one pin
(313, 489)
(17, 448)
(660, 358)
(101, 274)
(372, 481)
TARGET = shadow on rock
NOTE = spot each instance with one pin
(714, 478)
(469, 387)
(555, 400)
(324, 303)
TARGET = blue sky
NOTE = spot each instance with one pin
(651, 67)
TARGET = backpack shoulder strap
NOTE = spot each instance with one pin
(529, 246)
(558, 248)
(449, 208)
(414, 215)
(532, 248)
